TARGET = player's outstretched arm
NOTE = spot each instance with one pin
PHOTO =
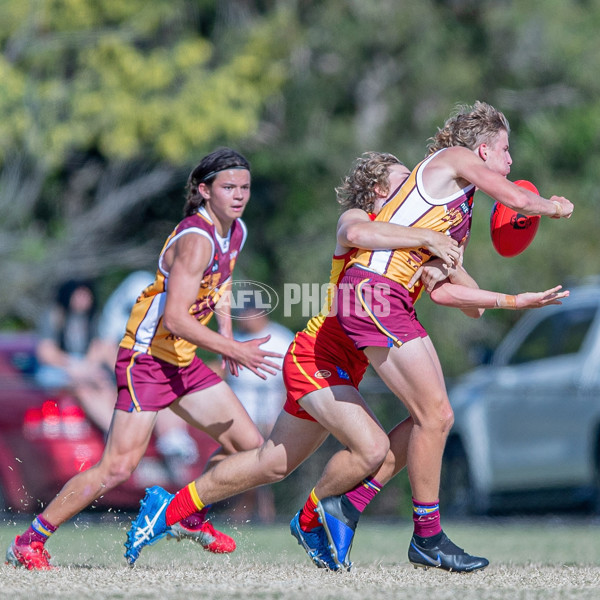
(464, 164)
(539, 299)
(458, 296)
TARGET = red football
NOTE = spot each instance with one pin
(511, 231)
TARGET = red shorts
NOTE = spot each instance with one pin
(314, 362)
(148, 383)
(374, 310)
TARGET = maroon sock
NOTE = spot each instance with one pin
(363, 493)
(426, 518)
(196, 520)
(39, 531)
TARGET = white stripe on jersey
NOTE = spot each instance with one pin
(196, 230)
(421, 186)
(147, 328)
(244, 231)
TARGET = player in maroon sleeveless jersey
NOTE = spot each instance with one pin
(470, 152)
(157, 366)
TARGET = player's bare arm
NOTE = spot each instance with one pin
(356, 230)
(466, 167)
(187, 261)
(449, 294)
(225, 327)
(434, 273)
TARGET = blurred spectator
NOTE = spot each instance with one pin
(67, 355)
(263, 399)
(174, 442)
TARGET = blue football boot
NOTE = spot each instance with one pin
(339, 518)
(314, 543)
(150, 525)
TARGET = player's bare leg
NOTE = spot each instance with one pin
(127, 441)
(217, 411)
(290, 443)
(344, 412)
(414, 374)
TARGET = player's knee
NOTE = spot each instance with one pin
(251, 441)
(273, 466)
(445, 417)
(448, 420)
(116, 472)
(376, 454)
(438, 419)
(257, 440)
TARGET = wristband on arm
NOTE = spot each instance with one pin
(506, 301)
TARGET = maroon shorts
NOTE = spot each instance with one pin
(314, 362)
(376, 311)
(148, 383)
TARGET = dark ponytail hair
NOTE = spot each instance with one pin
(212, 164)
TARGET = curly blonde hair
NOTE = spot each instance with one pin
(469, 126)
(370, 170)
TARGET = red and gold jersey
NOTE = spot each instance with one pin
(412, 206)
(338, 267)
(145, 330)
(339, 263)
(328, 336)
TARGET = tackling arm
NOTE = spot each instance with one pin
(356, 230)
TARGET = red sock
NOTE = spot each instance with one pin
(426, 518)
(39, 531)
(308, 516)
(363, 493)
(185, 503)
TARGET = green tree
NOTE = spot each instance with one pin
(105, 106)
(384, 75)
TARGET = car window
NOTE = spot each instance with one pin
(561, 333)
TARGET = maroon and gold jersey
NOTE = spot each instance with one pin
(412, 206)
(145, 330)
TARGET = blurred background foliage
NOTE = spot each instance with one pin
(107, 105)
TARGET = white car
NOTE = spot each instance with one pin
(527, 426)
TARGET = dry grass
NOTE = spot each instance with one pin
(543, 560)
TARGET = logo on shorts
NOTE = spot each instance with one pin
(342, 374)
(323, 374)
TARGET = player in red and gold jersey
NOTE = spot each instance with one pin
(157, 366)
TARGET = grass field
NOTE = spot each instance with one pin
(542, 559)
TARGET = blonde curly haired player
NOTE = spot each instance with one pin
(471, 151)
